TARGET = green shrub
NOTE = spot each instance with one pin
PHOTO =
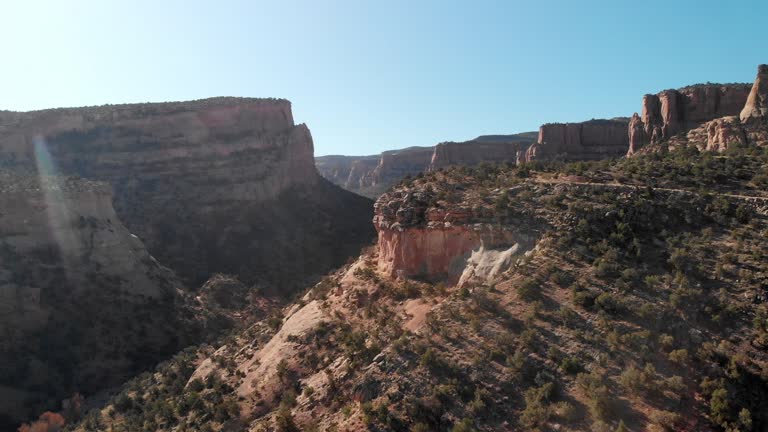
(528, 290)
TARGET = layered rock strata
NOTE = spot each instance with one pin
(372, 175)
(589, 140)
(671, 112)
(209, 186)
(493, 149)
(83, 305)
(421, 240)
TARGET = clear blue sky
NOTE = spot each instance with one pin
(368, 76)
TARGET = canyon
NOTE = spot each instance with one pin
(718, 111)
(536, 276)
(83, 305)
(370, 176)
(210, 186)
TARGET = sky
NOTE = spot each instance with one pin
(368, 76)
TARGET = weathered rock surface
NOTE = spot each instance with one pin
(671, 112)
(83, 306)
(423, 241)
(372, 175)
(756, 107)
(589, 140)
(217, 185)
(492, 148)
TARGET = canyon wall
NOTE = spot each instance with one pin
(589, 140)
(372, 175)
(756, 107)
(216, 185)
(671, 112)
(83, 306)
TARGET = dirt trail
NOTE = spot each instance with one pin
(632, 187)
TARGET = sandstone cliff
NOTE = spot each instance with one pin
(491, 148)
(756, 107)
(671, 112)
(707, 128)
(83, 306)
(589, 140)
(425, 237)
(216, 185)
(372, 175)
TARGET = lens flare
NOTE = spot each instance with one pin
(60, 219)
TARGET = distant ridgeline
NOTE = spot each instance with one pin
(716, 110)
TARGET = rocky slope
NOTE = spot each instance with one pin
(83, 306)
(624, 306)
(216, 185)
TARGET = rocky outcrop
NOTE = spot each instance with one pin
(589, 140)
(218, 185)
(741, 127)
(420, 240)
(671, 112)
(493, 149)
(83, 305)
(756, 107)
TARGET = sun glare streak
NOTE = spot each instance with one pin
(60, 218)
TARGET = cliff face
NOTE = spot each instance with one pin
(494, 149)
(372, 175)
(83, 306)
(756, 107)
(673, 111)
(593, 139)
(204, 184)
(420, 238)
(711, 119)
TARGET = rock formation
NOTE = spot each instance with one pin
(589, 140)
(217, 185)
(494, 149)
(711, 119)
(372, 175)
(83, 306)
(671, 112)
(756, 106)
(419, 239)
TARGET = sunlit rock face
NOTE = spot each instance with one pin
(671, 112)
(218, 185)
(491, 149)
(372, 175)
(417, 240)
(83, 305)
(589, 140)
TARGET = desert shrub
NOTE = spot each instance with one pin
(465, 425)
(571, 365)
(679, 356)
(528, 290)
